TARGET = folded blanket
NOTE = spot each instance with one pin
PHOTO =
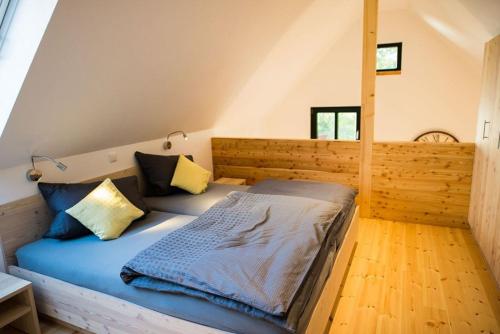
(255, 249)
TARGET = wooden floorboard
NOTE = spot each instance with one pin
(409, 278)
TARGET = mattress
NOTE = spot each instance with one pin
(187, 204)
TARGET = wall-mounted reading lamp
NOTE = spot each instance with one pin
(167, 145)
(34, 174)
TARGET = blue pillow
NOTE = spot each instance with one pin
(62, 196)
(158, 171)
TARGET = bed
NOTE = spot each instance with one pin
(71, 284)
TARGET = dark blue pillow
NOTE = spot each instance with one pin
(62, 196)
(158, 171)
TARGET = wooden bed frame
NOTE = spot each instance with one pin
(24, 221)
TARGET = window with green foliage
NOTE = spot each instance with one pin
(389, 57)
(335, 123)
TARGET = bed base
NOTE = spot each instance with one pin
(100, 313)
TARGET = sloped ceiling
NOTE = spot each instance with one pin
(116, 72)
(466, 23)
(487, 12)
(280, 72)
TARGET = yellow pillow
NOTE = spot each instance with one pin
(105, 211)
(190, 177)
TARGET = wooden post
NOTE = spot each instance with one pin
(369, 73)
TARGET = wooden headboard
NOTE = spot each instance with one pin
(412, 182)
(257, 159)
(26, 220)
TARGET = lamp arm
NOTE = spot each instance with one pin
(34, 175)
(41, 157)
(59, 164)
(175, 133)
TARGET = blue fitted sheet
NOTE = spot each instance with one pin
(95, 264)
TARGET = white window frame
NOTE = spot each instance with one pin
(7, 8)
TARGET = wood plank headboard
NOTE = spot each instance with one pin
(257, 159)
(412, 182)
(26, 220)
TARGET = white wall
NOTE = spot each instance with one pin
(438, 88)
(14, 184)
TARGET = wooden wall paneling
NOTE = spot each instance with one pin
(26, 220)
(422, 183)
(257, 159)
(485, 199)
(411, 182)
(255, 174)
(369, 74)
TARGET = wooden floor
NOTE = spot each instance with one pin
(408, 278)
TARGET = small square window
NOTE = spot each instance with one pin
(335, 123)
(389, 57)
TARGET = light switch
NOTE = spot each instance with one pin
(112, 157)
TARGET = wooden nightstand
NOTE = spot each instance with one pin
(17, 305)
(229, 180)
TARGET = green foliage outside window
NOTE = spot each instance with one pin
(387, 58)
(326, 125)
(347, 126)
